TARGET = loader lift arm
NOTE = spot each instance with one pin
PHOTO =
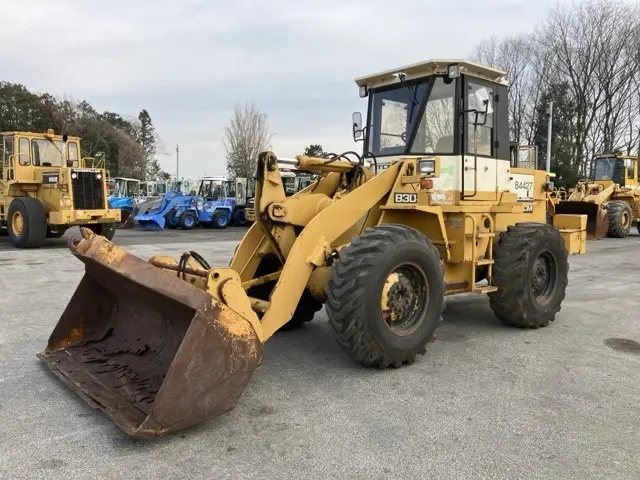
(327, 210)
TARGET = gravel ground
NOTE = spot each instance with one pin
(487, 401)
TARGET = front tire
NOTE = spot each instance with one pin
(27, 222)
(187, 220)
(170, 220)
(386, 296)
(531, 272)
(620, 218)
(307, 307)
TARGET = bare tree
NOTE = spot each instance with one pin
(515, 55)
(587, 42)
(246, 135)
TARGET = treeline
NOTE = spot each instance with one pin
(129, 145)
(585, 57)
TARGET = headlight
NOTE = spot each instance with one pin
(99, 176)
(427, 166)
(74, 175)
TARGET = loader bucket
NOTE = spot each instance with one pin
(597, 222)
(150, 221)
(130, 222)
(153, 352)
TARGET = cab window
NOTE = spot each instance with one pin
(24, 152)
(7, 147)
(73, 154)
(480, 138)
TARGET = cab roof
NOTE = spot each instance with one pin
(38, 135)
(433, 67)
(214, 178)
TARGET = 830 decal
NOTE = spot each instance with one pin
(405, 197)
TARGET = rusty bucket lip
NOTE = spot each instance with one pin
(216, 394)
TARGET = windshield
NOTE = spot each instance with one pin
(47, 153)
(393, 118)
(610, 168)
(289, 185)
(212, 190)
(133, 188)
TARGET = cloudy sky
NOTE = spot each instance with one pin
(187, 62)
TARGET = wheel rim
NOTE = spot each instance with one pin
(222, 220)
(404, 299)
(545, 274)
(625, 220)
(17, 223)
(188, 221)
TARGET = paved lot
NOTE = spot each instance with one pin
(487, 401)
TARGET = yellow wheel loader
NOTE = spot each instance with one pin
(610, 198)
(46, 188)
(163, 344)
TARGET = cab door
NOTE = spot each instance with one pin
(7, 158)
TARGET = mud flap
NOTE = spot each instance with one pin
(597, 221)
(153, 352)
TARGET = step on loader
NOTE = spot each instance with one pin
(163, 344)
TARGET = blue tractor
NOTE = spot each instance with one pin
(209, 207)
(123, 193)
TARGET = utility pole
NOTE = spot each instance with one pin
(177, 162)
(549, 129)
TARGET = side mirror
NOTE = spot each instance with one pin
(357, 126)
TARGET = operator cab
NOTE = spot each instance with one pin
(124, 187)
(449, 112)
(608, 169)
(213, 188)
(26, 149)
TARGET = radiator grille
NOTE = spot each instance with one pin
(87, 191)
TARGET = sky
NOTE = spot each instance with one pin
(189, 62)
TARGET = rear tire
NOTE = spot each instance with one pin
(221, 220)
(531, 272)
(364, 281)
(620, 218)
(187, 220)
(237, 218)
(27, 222)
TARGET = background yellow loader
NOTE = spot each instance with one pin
(46, 187)
(164, 344)
(610, 198)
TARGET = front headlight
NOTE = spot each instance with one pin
(74, 175)
(427, 166)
